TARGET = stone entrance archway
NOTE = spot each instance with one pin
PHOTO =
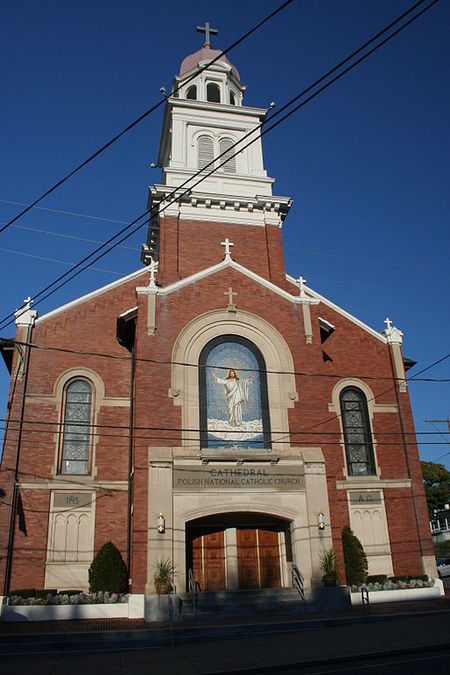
(238, 551)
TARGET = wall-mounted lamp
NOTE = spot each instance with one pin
(161, 524)
(321, 521)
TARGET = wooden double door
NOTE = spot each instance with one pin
(258, 558)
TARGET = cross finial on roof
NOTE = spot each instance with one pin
(301, 284)
(388, 323)
(207, 31)
(28, 302)
(227, 243)
(153, 267)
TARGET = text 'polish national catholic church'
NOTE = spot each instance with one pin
(208, 409)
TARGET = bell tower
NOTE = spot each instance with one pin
(211, 155)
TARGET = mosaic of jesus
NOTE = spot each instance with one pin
(233, 397)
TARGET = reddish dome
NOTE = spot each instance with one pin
(205, 54)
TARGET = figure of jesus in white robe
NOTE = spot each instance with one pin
(236, 391)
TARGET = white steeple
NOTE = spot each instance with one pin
(203, 119)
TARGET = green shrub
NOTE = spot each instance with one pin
(71, 592)
(107, 571)
(45, 592)
(376, 578)
(24, 592)
(355, 559)
(409, 577)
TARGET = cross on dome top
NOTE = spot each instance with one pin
(207, 31)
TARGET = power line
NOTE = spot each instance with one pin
(124, 427)
(63, 212)
(170, 362)
(59, 262)
(226, 154)
(141, 117)
(68, 236)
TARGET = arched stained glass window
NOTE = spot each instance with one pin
(213, 92)
(357, 433)
(234, 409)
(225, 147)
(76, 428)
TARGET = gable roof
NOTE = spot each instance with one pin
(209, 271)
(92, 294)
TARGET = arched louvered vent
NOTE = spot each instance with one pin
(205, 151)
(226, 147)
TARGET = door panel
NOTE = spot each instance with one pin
(247, 558)
(269, 559)
(214, 561)
(197, 558)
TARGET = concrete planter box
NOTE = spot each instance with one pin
(403, 595)
(330, 598)
(159, 607)
(133, 609)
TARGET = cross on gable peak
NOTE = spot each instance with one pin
(227, 243)
(28, 302)
(153, 267)
(388, 323)
(208, 32)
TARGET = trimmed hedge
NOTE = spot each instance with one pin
(355, 559)
(409, 577)
(42, 593)
(107, 571)
(376, 578)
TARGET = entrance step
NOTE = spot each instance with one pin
(269, 601)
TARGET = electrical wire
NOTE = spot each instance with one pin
(170, 362)
(142, 117)
(227, 151)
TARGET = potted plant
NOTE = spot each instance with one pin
(163, 576)
(328, 567)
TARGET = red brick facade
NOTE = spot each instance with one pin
(84, 336)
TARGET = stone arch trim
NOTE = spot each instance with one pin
(222, 509)
(195, 335)
(85, 374)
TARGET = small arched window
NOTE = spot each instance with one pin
(205, 151)
(192, 92)
(225, 146)
(76, 428)
(213, 93)
(357, 432)
(232, 98)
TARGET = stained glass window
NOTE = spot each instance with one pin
(358, 441)
(76, 428)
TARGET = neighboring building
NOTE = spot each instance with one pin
(208, 408)
(440, 524)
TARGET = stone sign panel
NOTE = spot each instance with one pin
(72, 500)
(373, 497)
(271, 477)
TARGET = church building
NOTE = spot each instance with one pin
(209, 408)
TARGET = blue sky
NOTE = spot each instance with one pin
(366, 163)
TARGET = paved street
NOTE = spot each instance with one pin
(382, 644)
